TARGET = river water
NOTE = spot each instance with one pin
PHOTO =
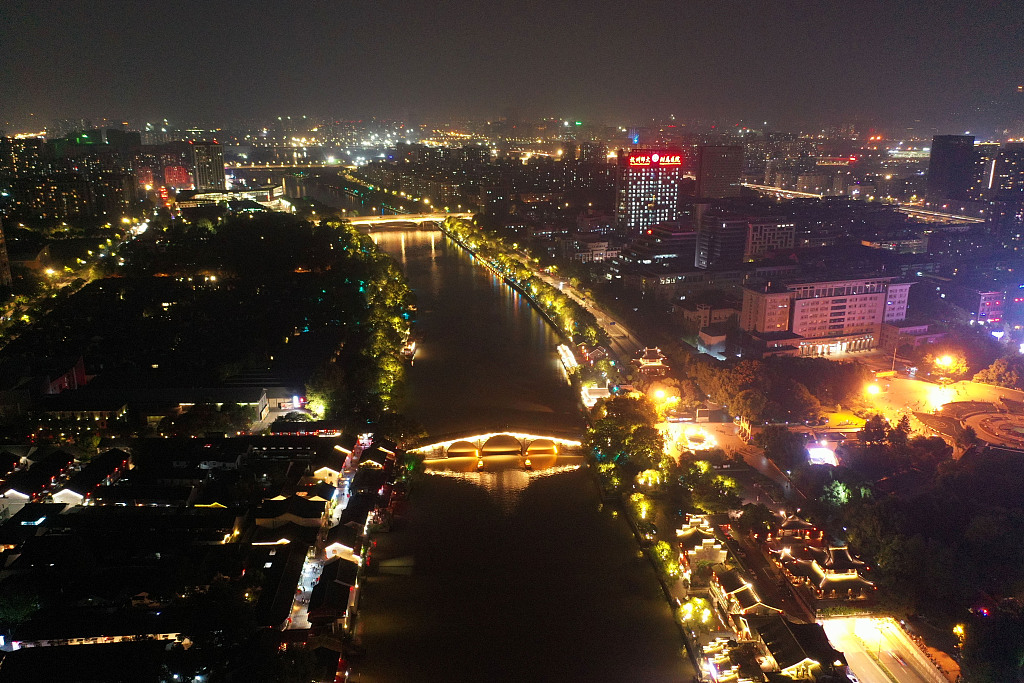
(503, 575)
(485, 359)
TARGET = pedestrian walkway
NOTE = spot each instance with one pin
(313, 566)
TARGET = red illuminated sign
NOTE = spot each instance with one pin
(655, 159)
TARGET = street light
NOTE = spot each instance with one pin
(873, 389)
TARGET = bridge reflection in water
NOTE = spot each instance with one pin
(503, 447)
(504, 463)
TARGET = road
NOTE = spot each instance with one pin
(624, 342)
(871, 645)
(298, 616)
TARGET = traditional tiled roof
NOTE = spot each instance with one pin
(790, 643)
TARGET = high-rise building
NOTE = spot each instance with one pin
(113, 194)
(721, 240)
(1008, 173)
(593, 152)
(21, 157)
(719, 168)
(952, 166)
(647, 188)
(53, 196)
(985, 154)
(208, 166)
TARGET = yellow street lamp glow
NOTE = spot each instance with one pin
(944, 361)
(873, 389)
(660, 394)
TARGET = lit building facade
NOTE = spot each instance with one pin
(826, 317)
(21, 156)
(647, 188)
(1008, 172)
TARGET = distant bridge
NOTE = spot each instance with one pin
(417, 218)
(781, 192)
(910, 210)
(496, 443)
(939, 216)
(285, 166)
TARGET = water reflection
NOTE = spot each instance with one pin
(503, 477)
(485, 359)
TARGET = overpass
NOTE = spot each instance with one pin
(496, 444)
(910, 210)
(938, 216)
(781, 192)
(268, 166)
(417, 218)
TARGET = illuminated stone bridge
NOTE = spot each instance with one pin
(404, 219)
(497, 444)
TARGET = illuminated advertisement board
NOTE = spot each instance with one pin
(650, 158)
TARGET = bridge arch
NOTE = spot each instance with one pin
(463, 449)
(494, 443)
(502, 444)
(542, 447)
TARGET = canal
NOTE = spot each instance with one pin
(503, 574)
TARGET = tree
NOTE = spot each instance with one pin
(645, 446)
(897, 436)
(783, 447)
(835, 494)
(966, 437)
(926, 453)
(874, 429)
(1004, 372)
(17, 604)
(756, 519)
(948, 364)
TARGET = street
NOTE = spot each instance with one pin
(879, 651)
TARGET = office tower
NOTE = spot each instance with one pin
(951, 167)
(647, 188)
(208, 166)
(719, 168)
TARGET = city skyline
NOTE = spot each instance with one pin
(927, 66)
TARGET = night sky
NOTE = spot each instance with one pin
(946, 63)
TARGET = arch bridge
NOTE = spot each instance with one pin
(497, 444)
(416, 218)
